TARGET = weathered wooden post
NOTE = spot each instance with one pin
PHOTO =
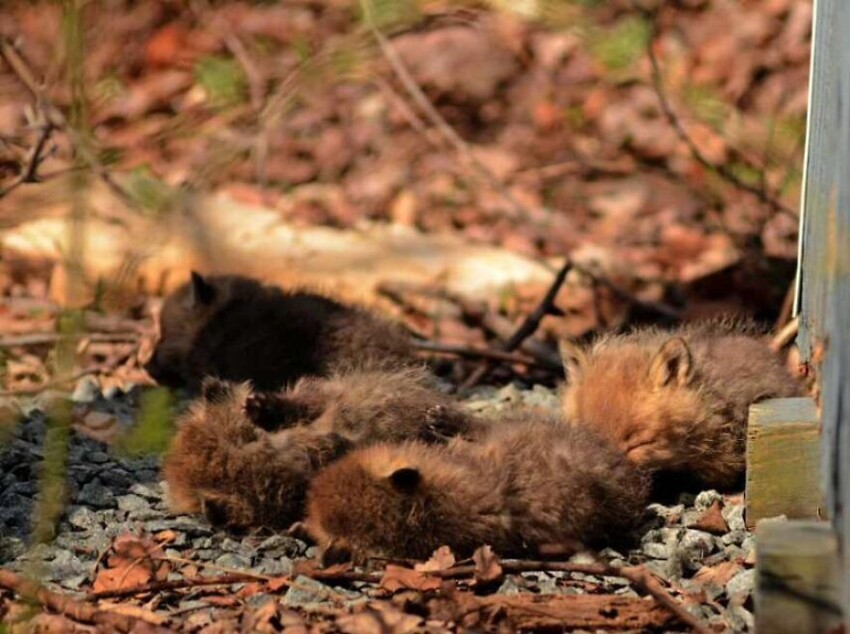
(804, 566)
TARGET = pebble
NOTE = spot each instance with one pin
(96, 495)
(233, 561)
(705, 499)
(132, 502)
(734, 516)
(86, 391)
(83, 517)
(741, 583)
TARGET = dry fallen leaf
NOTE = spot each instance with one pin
(487, 566)
(442, 559)
(712, 520)
(397, 578)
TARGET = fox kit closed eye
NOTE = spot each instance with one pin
(242, 474)
(676, 401)
(235, 328)
(525, 484)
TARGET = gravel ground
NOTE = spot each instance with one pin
(700, 544)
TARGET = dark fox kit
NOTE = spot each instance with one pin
(526, 484)
(676, 401)
(245, 459)
(237, 329)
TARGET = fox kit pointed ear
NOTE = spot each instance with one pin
(406, 479)
(672, 364)
(574, 358)
(201, 292)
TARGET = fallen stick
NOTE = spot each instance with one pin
(177, 584)
(471, 352)
(67, 606)
(529, 325)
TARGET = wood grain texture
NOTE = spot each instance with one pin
(796, 578)
(783, 460)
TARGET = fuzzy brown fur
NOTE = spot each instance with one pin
(524, 485)
(240, 474)
(676, 400)
(370, 405)
(235, 328)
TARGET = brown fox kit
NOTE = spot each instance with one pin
(523, 485)
(367, 405)
(241, 474)
(676, 401)
(235, 328)
(236, 474)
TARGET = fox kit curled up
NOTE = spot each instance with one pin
(366, 406)
(676, 401)
(235, 328)
(223, 466)
(525, 484)
(242, 475)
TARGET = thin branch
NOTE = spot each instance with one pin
(35, 157)
(54, 118)
(529, 326)
(636, 575)
(39, 338)
(177, 584)
(723, 171)
(64, 604)
(471, 352)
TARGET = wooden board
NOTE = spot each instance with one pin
(823, 299)
(783, 456)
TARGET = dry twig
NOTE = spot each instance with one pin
(472, 352)
(63, 604)
(529, 326)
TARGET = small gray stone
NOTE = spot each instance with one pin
(86, 390)
(697, 544)
(233, 561)
(742, 582)
(98, 457)
(305, 591)
(734, 537)
(275, 567)
(749, 546)
(583, 558)
(132, 502)
(83, 517)
(740, 619)
(734, 516)
(656, 551)
(146, 491)
(705, 499)
(509, 587)
(96, 495)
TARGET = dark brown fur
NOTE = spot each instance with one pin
(524, 485)
(236, 474)
(241, 475)
(370, 405)
(676, 400)
(235, 328)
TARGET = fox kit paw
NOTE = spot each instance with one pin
(273, 412)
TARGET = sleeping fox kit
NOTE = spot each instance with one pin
(245, 459)
(524, 485)
(237, 329)
(676, 401)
